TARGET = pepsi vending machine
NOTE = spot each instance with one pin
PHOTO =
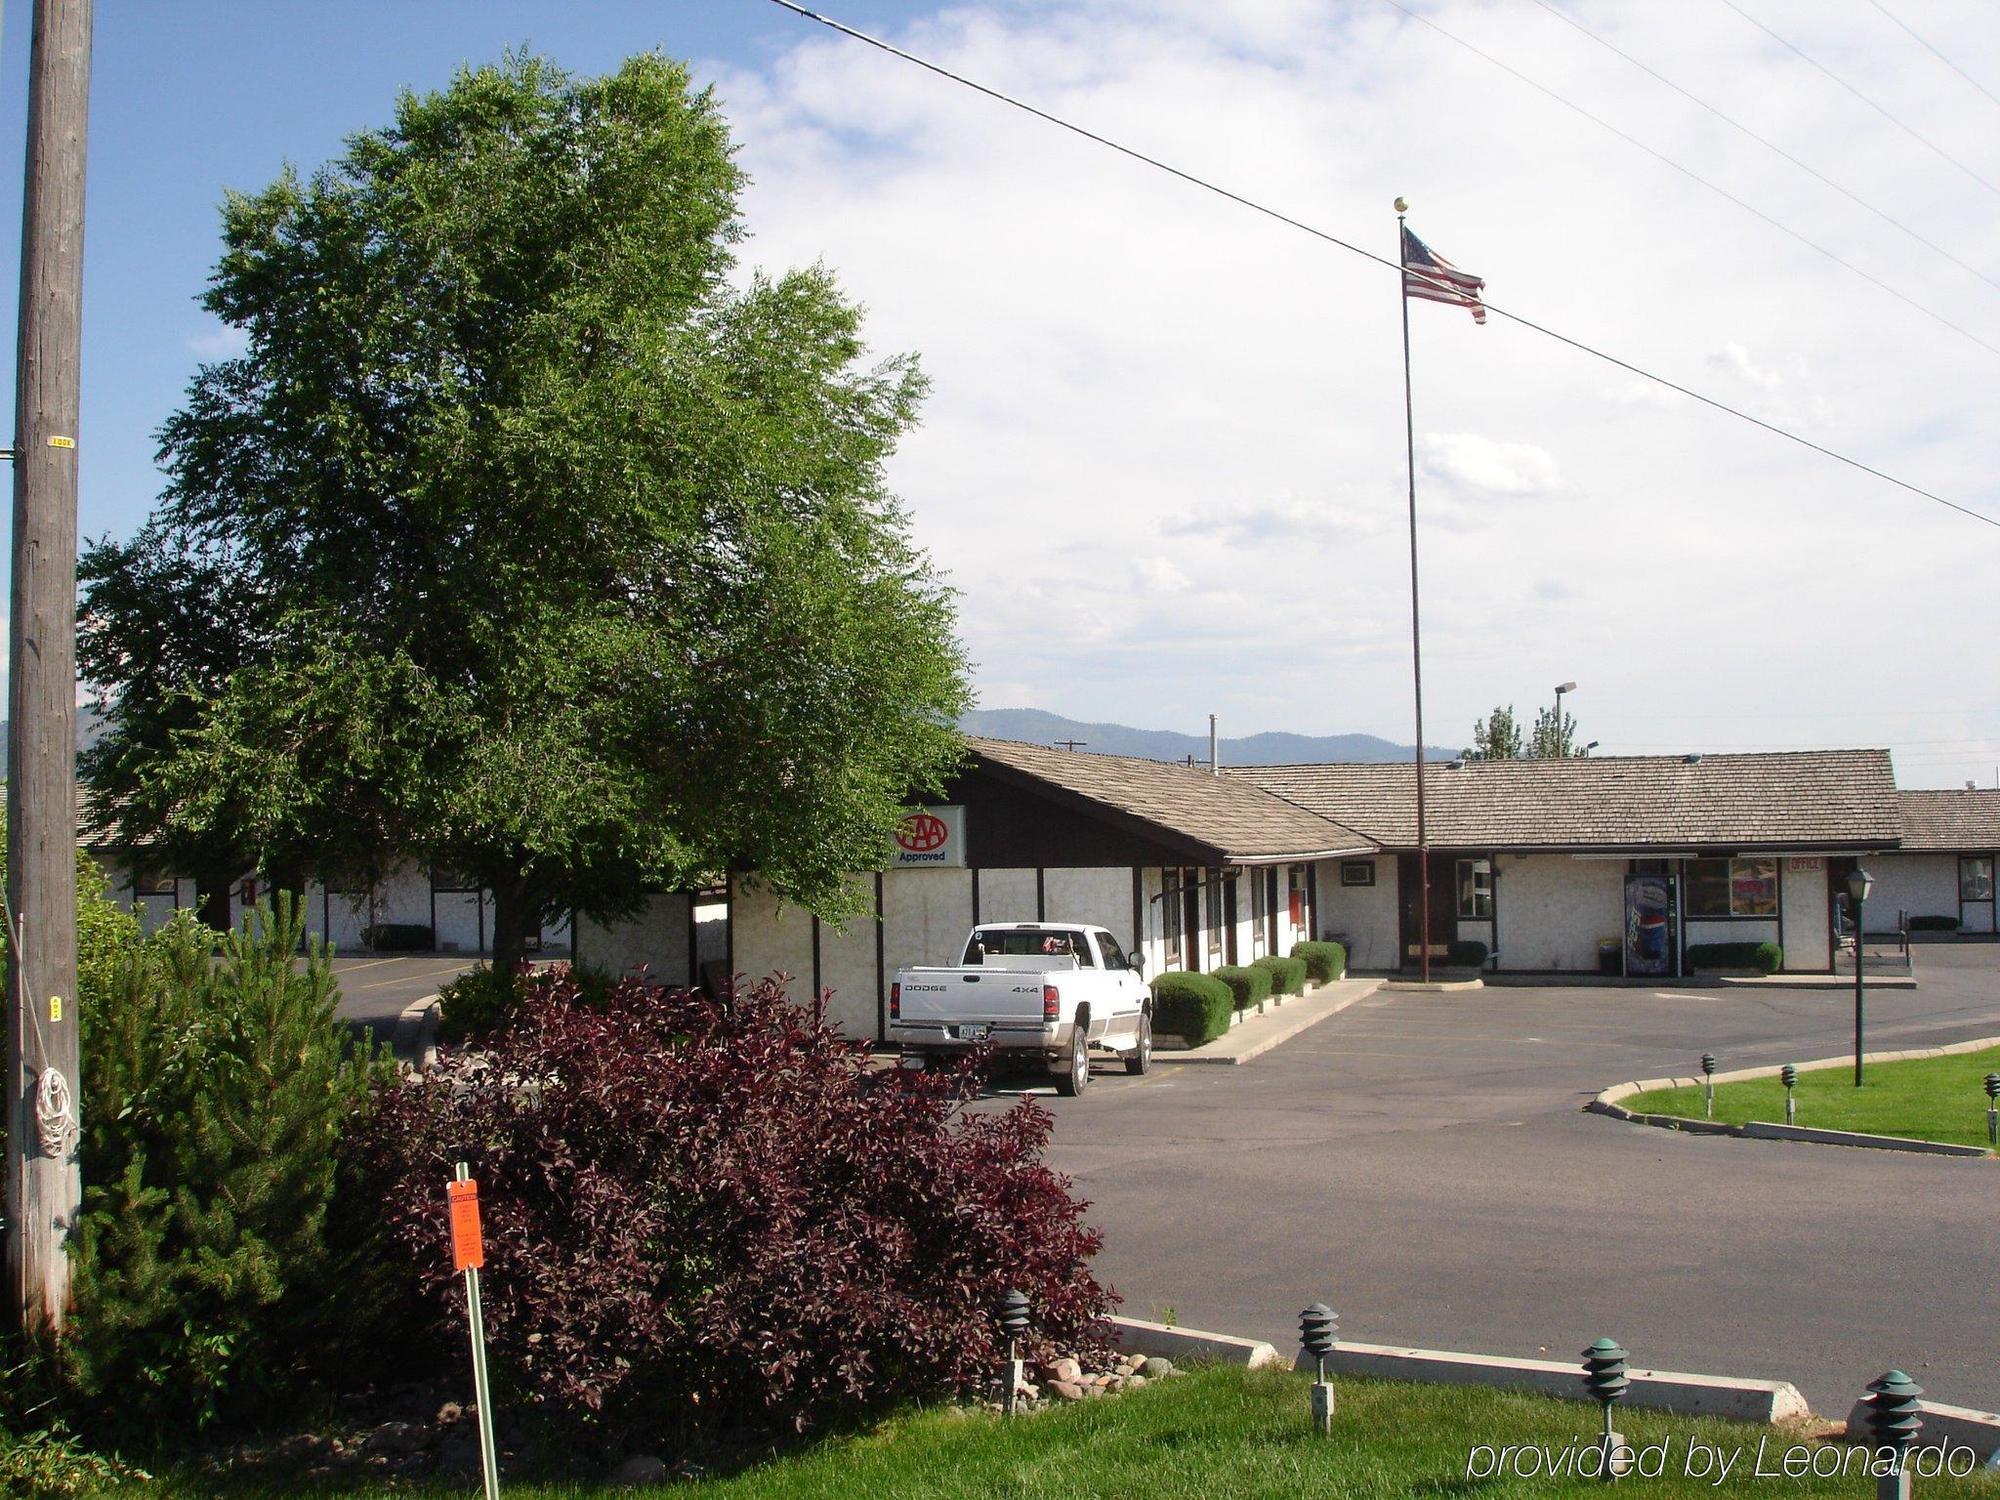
(1652, 945)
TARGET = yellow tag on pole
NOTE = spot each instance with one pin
(55, 1008)
(62, 442)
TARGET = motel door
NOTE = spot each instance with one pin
(1444, 905)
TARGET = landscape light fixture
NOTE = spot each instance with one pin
(1894, 1417)
(1788, 1075)
(1319, 1330)
(1993, 1109)
(1708, 1082)
(1605, 1379)
(1013, 1323)
(1859, 884)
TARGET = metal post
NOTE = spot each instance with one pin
(44, 1186)
(1416, 633)
(489, 1459)
(1860, 963)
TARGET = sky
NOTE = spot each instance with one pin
(1163, 458)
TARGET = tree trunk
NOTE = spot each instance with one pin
(515, 916)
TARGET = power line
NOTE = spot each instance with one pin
(1690, 173)
(1934, 51)
(1332, 239)
(1766, 142)
(1909, 130)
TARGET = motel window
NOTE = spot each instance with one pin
(1475, 889)
(1357, 872)
(1732, 887)
(1975, 878)
(152, 883)
(1171, 932)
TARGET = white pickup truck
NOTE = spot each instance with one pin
(1057, 988)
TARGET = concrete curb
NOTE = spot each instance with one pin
(1137, 1336)
(415, 1036)
(1608, 1103)
(1766, 1401)
(1944, 1427)
(1687, 1395)
(1434, 986)
(1301, 1012)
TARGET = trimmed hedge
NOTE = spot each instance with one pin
(398, 937)
(1465, 954)
(1193, 1007)
(1249, 985)
(1288, 975)
(1934, 924)
(1765, 958)
(1325, 962)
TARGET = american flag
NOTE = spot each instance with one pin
(1428, 275)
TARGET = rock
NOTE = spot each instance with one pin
(300, 1448)
(1155, 1367)
(1133, 1382)
(1066, 1370)
(1067, 1390)
(449, 1415)
(1131, 1364)
(396, 1437)
(458, 1454)
(639, 1468)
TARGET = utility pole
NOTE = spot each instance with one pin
(44, 1186)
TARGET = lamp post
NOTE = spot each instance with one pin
(1708, 1083)
(1895, 1415)
(1993, 1109)
(1859, 884)
(1319, 1330)
(1560, 745)
(1605, 1379)
(1013, 1317)
(1788, 1075)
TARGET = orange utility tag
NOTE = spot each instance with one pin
(467, 1253)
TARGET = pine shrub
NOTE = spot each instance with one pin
(209, 1278)
(700, 1213)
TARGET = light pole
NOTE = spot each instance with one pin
(1859, 884)
(1561, 746)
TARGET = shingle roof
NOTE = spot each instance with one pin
(1966, 819)
(1234, 819)
(1802, 799)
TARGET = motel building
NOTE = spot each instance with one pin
(1942, 871)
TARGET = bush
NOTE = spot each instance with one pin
(1194, 1007)
(1934, 924)
(1765, 958)
(701, 1214)
(1465, 954)
(211, 1271)
(1248, 985)
(399, 937)
(1288, 975)
(476, 1002)
(1325, 962)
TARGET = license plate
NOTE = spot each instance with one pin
(970, 1033)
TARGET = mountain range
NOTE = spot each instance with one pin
(1273, 748)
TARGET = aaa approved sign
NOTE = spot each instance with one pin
(932, 837)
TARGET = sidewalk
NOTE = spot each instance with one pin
(1255, 1035)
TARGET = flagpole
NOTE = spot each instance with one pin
(1416, 631)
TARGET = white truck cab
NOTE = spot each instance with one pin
(1057, 988)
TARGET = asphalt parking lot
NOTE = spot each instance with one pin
(1420, 1162)
(375, 990)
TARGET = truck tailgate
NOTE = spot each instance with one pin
(972, 994)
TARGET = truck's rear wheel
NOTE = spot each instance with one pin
(1077, 1079)
(1140, 1059)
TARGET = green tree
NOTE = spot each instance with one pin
(531, 542)
(1553, 738)
(1497, 736)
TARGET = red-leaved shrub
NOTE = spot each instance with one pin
(707, 1213)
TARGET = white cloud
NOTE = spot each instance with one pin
(1127, 368)
(220, 341)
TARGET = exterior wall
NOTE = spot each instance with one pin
(463, 920)
(1553, 910)
(1152, 932)
(1007, 896)
(654, 938)
(1100, 897)
(1365, 917)
(339, 916)
(769, 936)
(1734, 930)
(1290, 932)
(1803, 904)
(925, 917)
(1924, 885)
(847, 965)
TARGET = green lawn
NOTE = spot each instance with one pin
(1929, 1098)
(1233, 1434)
